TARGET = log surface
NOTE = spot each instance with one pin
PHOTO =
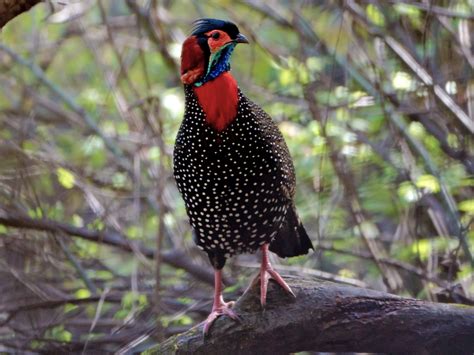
(12, 8)
(329, 317)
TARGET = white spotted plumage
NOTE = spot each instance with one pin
(237, 184)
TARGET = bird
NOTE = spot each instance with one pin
(232, 166)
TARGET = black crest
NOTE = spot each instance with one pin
(204, 25)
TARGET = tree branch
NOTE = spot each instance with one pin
(329, 317)
(12, 8)
(411, 62)
(175, 258)
(438, 10)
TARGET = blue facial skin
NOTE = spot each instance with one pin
(218, 64)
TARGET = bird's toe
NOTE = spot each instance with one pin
(223, 310)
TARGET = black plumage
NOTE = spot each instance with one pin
(238, 184)
(204, 25)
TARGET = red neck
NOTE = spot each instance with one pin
(219, 100)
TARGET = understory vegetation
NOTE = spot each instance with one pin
(375, 100)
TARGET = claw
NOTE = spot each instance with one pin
(222, 310)
(267, 272)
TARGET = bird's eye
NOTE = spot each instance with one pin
(215, 35)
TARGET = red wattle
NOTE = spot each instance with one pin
(219, 100)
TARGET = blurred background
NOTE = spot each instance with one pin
(375, 100)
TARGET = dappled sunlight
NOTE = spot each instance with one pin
(374, 99)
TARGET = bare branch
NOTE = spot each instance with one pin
(422, 74)
(69, 102)
(176, 259)
(438, 10)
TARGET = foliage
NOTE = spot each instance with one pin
(375, 99)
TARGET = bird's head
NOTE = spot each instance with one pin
(206, 53)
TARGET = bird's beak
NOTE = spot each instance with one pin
(241, 39)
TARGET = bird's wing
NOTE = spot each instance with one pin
(277, 145)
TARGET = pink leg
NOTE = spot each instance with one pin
(219, 307)
(267, 271)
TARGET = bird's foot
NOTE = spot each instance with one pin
(220, 309)
(267, 272)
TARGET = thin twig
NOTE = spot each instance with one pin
(174, 258)
(438, 10)
(69, 101)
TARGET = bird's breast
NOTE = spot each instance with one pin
(219, 100)
(230, 181)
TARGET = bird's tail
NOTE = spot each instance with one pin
(292, 239)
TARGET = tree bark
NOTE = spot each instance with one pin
(329, 317)
(12, 8)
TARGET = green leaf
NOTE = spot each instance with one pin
(65, 178)
(422, 248)
(68, 307)
(429, 182)
(121, 314)
(77, 221)
(119, 180)
(408, 192)
(35, 213)
(60, 334)
(407, 9)
(347, 273)
(82, 293)
(104, 275)
(129, 298)
(134, 232)
(416, 129)
(184, 320)
(154, 154)
(375, 15)
(403, 81)
(467, 206)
